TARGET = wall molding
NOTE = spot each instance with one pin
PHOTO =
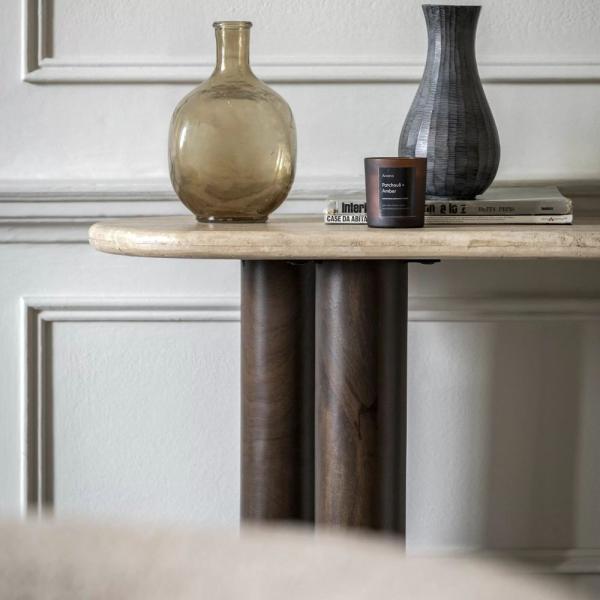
(468, 310)
(55, 211)
(39, 314)
(47, 211)
(40, 66)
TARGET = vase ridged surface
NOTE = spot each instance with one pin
(450, 122)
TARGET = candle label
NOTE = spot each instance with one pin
(395, 191)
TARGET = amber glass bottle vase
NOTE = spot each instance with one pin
(232, 143)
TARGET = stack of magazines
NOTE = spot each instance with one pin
(544, 206)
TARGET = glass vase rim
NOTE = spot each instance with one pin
(232, 24)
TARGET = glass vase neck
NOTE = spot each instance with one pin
(233, 48)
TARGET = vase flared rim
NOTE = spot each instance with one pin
(232, 24)
(417, 158)
(451, 6)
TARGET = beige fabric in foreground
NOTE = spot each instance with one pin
(69, 561)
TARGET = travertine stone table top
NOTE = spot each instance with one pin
(306, 237)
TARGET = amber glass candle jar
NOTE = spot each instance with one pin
(395, 191)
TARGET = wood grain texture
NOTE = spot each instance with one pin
(306, 237)
(450, 122)
(277, 391)
(360, 390)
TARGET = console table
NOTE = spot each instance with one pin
(324, 316)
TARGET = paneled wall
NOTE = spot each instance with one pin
(119, 389)
(101, 79)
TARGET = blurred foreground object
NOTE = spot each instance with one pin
(54, 559)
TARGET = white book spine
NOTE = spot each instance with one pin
(345, 219)
(500, 219)
(361, 219)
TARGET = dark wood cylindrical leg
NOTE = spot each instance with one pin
(277, 390)
(361, 316)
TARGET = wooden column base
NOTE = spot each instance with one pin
(361, 316)
(358, 384)
(277, 390)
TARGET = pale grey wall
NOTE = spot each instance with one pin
(141, 356)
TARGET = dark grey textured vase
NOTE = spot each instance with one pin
(450, 122)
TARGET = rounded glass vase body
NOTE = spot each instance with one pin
(232, 143)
